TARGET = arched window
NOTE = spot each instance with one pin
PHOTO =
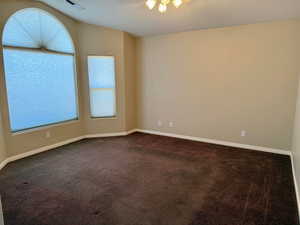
(39, 70)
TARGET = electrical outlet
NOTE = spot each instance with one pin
(48, 134)
(243, 133)
(159, 123)
(171, 124)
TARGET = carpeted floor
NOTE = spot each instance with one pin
(149, 180)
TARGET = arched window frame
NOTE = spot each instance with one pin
(42, 50)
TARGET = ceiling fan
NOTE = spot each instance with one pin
(75, 3)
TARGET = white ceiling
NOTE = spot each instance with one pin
(132, 15)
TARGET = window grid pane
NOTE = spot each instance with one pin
(41, 88)
(102, 86)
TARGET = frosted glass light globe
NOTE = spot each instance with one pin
(150, 4)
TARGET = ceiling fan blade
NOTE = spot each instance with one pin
(75, 4)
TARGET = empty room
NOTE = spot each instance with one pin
(149, 112)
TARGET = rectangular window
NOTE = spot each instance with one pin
(41, 88)
(102, 86)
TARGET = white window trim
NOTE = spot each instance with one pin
(45, 127)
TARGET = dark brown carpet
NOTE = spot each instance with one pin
(149, 180)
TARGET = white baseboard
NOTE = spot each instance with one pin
(124, 133)
(212, 141)
(295, 183)
(49, 147)
(43, 149)
(3, 163)
(206, 140)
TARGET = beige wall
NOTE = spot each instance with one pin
(2, 154)
(2, 147)
(296, 139)
(130, 84)
(2, 144)
(95, 40)
(214, 83)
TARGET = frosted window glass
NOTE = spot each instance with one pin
(49, 29)
(35, 28)
(15, 35)
(29, 20)
(41, 88)
(102, 72)
(60, 42)
(102, 102)
(102, 86)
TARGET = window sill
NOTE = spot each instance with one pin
(104, 118)
(37, 129)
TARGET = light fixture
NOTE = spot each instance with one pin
(151, 4)
(177, 3)
(162, 8)
(163, 4)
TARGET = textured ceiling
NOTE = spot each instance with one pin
(132, 15)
